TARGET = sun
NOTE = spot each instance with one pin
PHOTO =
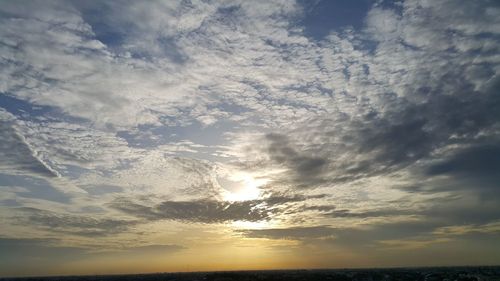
(243, 187)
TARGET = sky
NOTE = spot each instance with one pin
(154, 136)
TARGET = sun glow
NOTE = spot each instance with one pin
(248, 189)
(251, 224)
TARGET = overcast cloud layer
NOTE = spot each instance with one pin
(374, 136)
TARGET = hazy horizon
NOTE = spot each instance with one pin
(467, 270)
(165, 136)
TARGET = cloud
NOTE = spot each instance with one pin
(17, 155)
(81, 225)
(344, 213)
(277, 199)
(396, 106)
(210, 211)
(464, 210)
(289, 233)
(302, 167)
(472, 168)
(481, 161)
(32, 187)
(203, 211)
(352, 238)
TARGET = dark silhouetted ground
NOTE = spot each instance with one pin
(404, 274)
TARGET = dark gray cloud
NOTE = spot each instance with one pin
(471, 171)
(447, 214)
(344, 213)
(282, 152)
(82, 225)
(276, 198)
(210, 211)
(102, 189)
(303, 170)
(390, 230)
(204, 211)
(463, 210)
(443, 211)
(481, 161)
(417, 130)
(348, 236)
(319, 208)
(293, 233)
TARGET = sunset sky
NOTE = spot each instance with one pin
(153, 136)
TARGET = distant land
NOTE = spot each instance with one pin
(476, 273)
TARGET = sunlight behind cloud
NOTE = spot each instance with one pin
(251, 224)
(244, 187)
